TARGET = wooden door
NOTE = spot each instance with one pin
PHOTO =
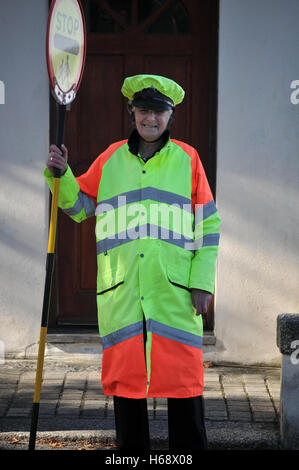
(177, 39)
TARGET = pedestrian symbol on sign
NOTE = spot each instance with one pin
(64, 73)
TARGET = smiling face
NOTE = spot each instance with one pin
(151, 124)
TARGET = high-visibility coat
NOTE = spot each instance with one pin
(157, 233)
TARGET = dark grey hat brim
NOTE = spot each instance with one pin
(155, 104)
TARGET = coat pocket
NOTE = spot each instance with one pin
(109, 280)
(179, 276)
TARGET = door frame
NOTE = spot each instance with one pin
(210, 169)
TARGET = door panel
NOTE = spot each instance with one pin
(99, 122)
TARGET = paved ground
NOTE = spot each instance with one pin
(242, 408)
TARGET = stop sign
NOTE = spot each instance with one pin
(65, 48)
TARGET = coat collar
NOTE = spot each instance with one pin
(133, 143)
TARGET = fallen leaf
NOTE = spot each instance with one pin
(14, 440)
(56, 444)
(88, 446)
(208, 364)
(52, 442)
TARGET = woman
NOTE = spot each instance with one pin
(156, 270)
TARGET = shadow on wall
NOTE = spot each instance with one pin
(23, 235)
(258, 260)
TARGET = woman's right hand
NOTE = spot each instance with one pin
(57, 158)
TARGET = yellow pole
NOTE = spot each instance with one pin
(48, 282)
(44, 321)
(53, 219)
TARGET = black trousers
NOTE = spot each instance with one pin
(186, 427)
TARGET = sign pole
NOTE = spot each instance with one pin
(66, 50)
(48, 283)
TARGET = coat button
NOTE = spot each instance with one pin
(141, 255)
(143, 171)
(142, 298)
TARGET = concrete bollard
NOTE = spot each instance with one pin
(288, 343)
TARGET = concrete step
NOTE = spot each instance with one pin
(82, 344)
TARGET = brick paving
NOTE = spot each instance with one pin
(231, 393)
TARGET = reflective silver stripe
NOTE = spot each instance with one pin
(121, 335)
(156, 327)
(203, 212)
(138, 195)
(210, 239)
(142, 231)
(83, 202)
(174, 333)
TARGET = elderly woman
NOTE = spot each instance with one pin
(157, 235)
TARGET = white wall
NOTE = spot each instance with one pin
(257, 180)
(257, 177)
(24, 142)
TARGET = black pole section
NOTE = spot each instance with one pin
(61, 111)
(48, 282)
(44, 325)
(34, 421)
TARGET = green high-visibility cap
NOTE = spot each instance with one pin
(169, 88)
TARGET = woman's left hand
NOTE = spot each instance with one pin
(201, 300)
